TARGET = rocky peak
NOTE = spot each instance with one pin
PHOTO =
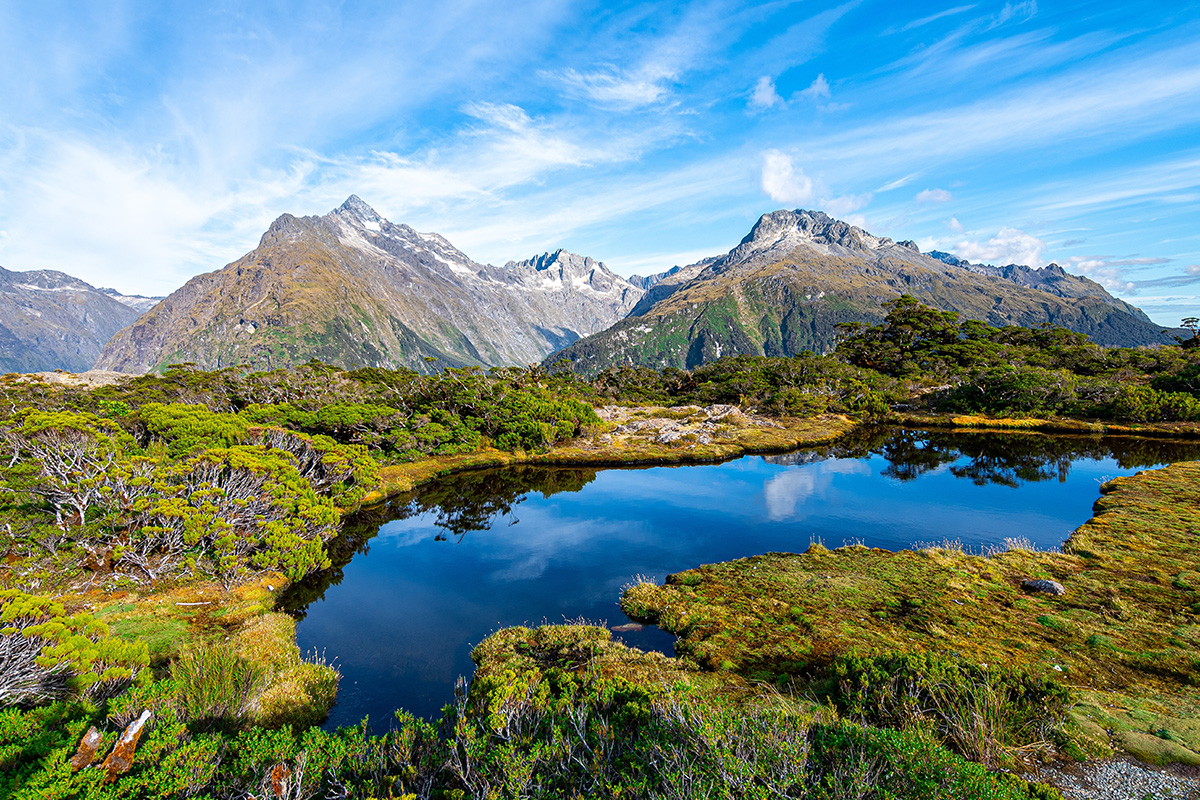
(780, 232)
(356, 211)
(283, 230)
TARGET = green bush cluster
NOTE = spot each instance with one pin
(975, 367)
(47, 654)
(981, 712)
(587, 738)
(802, 386)
(190, 493)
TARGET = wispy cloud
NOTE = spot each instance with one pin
(923, 21)
(617, 88)
(899, 182)
(933, 196)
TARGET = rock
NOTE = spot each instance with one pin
(1044, 586)
(86, 753)
(121, 758)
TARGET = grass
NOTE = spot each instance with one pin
(1127, 626)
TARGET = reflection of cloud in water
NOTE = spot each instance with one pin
(784, 492)
(525, 550)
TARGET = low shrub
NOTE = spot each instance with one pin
(47, 654)
(979, 711)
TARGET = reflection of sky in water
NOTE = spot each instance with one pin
(402, 621)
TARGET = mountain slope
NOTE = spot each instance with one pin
(351, 288)
(50, 320)
(798, 274)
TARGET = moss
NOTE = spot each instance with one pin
(1156, 749)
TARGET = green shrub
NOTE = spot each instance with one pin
(978, 711)
(46, 654)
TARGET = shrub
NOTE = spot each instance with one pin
(247, 505)
(46, 654)
(978, 711)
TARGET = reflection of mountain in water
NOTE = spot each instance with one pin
(796, 459)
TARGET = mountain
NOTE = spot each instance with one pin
(797, 274)
(351, 288)
(50, 320)
(137, 302)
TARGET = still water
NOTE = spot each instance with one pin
(417, 583)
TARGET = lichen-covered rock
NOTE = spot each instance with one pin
(88, 747)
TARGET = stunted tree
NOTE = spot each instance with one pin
(71, 460)
(1191, 324)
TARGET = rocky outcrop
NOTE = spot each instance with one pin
(50, 320)
(351, 288)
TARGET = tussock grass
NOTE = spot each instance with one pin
(217, 688)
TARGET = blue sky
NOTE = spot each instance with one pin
(143, 143)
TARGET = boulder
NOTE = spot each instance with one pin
(1043, 586)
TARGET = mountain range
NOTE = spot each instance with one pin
(797, 274)
(50, 320)
(353, 289)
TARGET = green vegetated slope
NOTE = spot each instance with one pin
(798, 275)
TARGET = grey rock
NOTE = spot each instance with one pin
(1044, 586)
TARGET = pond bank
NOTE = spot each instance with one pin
(1126, 633)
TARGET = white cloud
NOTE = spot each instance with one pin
(899, 182)
(1098, 269)
(1192, 269)
(784, 182)
(616, 88)
(764, 95)
(954, 225)
(1009, 246)
(933, 196)
(817, 90)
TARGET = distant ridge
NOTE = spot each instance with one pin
(351, 288)
(797, 274)
(50, 320)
